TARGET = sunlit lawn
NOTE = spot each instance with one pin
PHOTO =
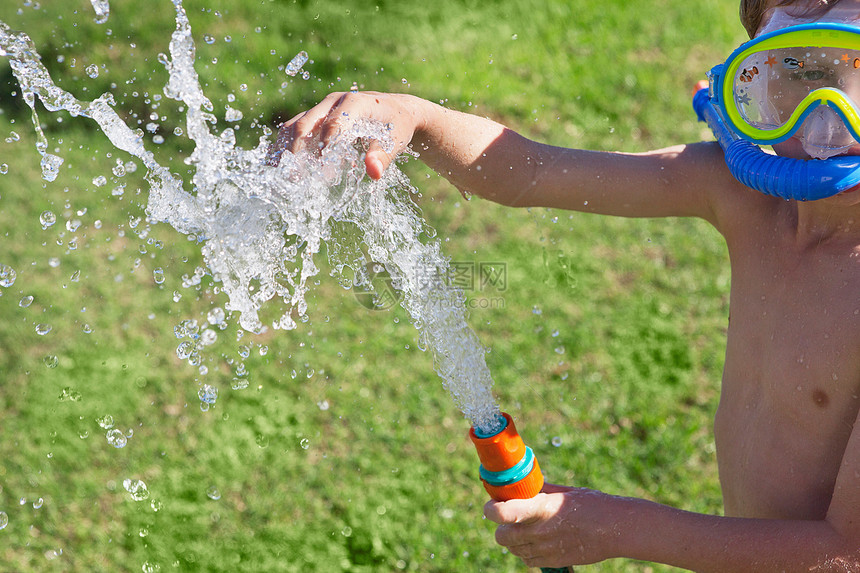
(344, 452)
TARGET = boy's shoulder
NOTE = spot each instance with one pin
(734, 205)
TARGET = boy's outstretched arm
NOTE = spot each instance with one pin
(483, 157)
(573, 526)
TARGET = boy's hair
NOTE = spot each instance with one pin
(753, 10)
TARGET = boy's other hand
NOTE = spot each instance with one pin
(558, 527)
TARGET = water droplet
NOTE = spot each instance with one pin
(556, 441)
(7, 276)
(43, 329)
(50, 166)
(4, 168)
(262, 441)
(296, 63)
(305, 443)
(158, 275)
(26, 301)
(559, 350)
(208, 39)
(136, 488)
(208, 394)
(100, 181)
(13, 137)
(156, 505)
(4, 520)
(208, 337)
(102, 10)
(239, 383)
(106, 422)
(323, 405)
(116, 438)
(233, 114)
(38, 503)
(346, 531)
(149, 567)
(92, 71)
(215, 316)
(213, 493)
(51, 361)
(185, 349)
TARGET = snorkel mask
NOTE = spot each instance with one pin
(800, 81)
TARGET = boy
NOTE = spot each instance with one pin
(788, 445)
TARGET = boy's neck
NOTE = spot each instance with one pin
(834, 219)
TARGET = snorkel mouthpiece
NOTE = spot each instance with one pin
(784, 177)
(509, 468)
(824, 133)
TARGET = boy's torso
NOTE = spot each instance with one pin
(791, 383)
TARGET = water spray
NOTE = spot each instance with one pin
(509, 468)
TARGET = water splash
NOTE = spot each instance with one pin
(261, 226)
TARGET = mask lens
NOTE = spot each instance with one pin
(769, 86)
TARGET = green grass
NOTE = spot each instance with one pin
(345, 453)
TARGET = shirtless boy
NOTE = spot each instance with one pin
(788, 445)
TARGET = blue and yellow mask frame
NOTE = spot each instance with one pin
(796, 81)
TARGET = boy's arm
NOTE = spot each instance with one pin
(482, 157)
(570, 526)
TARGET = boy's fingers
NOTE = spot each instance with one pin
(295, 133)
(283, 142)
(520, 511)
(376, 161)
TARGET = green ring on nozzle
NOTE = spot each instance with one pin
(502, 424)
(510, 475)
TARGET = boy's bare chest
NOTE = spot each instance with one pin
(795, 322)
(791, 382)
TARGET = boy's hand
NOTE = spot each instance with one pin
(337, 111)
(560, 526)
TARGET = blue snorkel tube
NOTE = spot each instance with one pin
(794, 179)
